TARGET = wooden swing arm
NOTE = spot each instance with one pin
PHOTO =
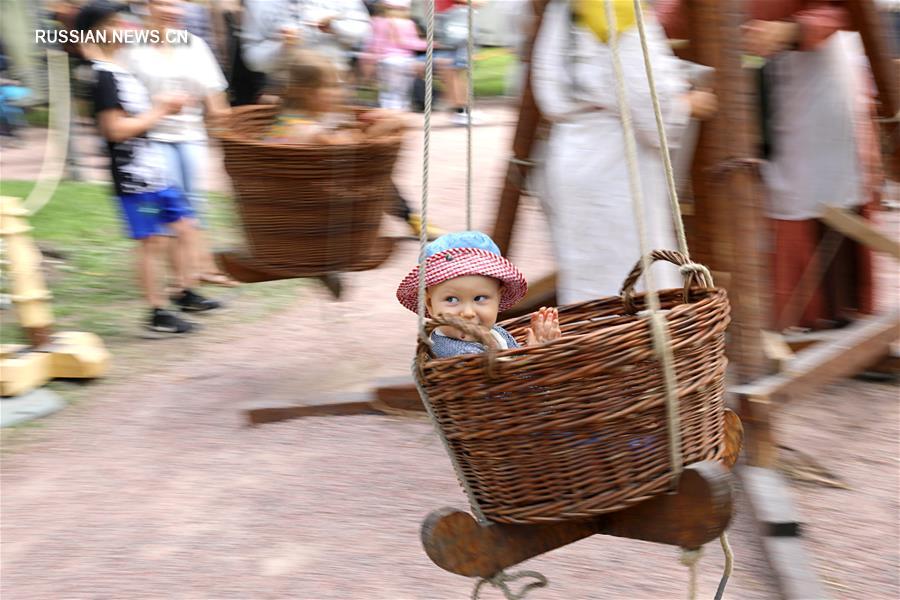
(526, 128)
(698, 512)
(861, 231)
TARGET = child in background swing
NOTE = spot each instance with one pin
(314, 109)
(467, 278)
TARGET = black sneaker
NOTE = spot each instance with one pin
(165, 321)
(189, 301)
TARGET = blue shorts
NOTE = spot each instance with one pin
(458, 56)
(148, 213)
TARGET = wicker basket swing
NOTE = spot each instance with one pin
(578, 426)
(308, 209)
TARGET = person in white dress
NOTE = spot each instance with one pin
(586, 188)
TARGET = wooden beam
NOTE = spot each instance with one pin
(858, 346)
(346, 404)
(526, 129)
(777, 349)
(888, 365)
(696, 514)
(860, 230)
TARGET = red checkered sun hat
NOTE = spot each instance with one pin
(460, 254)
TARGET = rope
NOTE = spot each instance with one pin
(690, 558)
(663, 139)
(729, 565)
(470, 101)
(501, 579)
(657, 324)
(423, 230)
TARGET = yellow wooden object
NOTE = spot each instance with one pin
(70, 354)
(23, 259)
(77, 355)
(22, 370)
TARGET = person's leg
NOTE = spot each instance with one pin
(177, 214)
(186, 162)
(143, 217)
(181, 255)
(195, 156)
(150, 251)
(395, 82)
(383, 73)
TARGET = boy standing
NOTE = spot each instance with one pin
(151, 209)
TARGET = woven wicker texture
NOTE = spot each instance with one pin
(578, 426)
(307, 209)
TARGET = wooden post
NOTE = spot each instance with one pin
(728, 224)
(874, 34)
(526, 128)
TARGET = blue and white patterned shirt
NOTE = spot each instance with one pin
(444, 346)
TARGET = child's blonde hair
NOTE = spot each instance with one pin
(304, 73)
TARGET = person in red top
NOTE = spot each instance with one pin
(819, 147)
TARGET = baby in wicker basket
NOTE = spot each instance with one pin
(467, 278)
(314, 107)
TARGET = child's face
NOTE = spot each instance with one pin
(331, 94)
(473, 298)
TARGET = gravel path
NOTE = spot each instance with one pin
(155, 488)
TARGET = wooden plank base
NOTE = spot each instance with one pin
(699, 512)
(856, 347)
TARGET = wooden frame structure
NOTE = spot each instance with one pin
(724, 235)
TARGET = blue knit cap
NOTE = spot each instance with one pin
(462, 239)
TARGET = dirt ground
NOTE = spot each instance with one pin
(156, 488)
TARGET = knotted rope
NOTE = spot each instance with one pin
(502, 579)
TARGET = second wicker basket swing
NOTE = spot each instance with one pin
(306, 209)
(588, 433)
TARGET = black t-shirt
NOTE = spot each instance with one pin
(138, 165)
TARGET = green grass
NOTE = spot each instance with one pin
(94, 286)
(492, 66)
(38, 116)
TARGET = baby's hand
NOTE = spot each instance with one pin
(544, 327)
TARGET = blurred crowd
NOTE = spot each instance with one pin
(316, 58)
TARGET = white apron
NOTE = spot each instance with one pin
(814, 98)
(585, 174)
